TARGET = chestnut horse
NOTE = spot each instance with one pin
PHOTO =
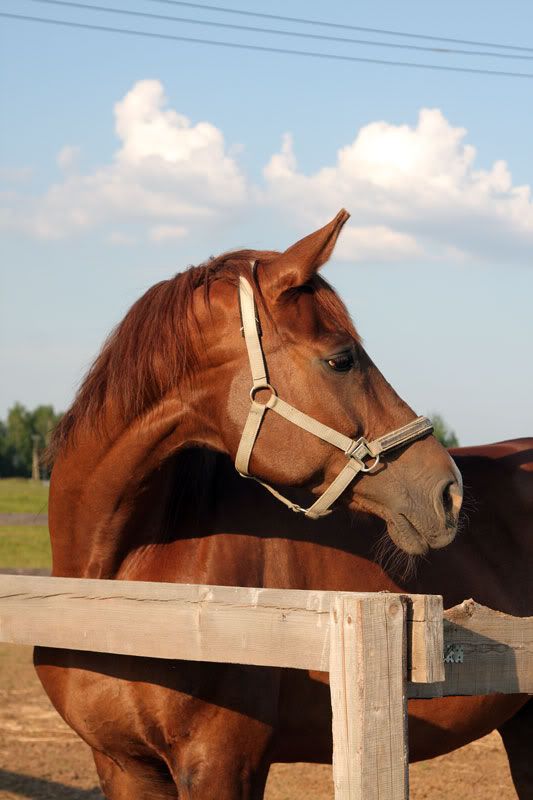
(144, 488)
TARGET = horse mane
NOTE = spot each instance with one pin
(154, 348)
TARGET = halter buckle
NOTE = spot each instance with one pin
(373, 466)
(359, 450)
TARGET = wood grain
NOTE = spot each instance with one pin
(496, 651)
(270, 627)
(367, 682)
(425, 639)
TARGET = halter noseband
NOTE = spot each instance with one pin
(356, 450)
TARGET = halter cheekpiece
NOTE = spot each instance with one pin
(355, 450)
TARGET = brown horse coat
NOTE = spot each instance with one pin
(183, 718)
(144, 488)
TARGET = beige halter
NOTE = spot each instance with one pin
(356, 450)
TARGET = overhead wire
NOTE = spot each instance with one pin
(264, 48)
(341, 25)
(297, 34)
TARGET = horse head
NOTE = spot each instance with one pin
(254, 355)
(294, 350)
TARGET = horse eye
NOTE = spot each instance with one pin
(342, 363)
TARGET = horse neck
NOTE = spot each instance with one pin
(195, 520)
(110, 494)
(128, 509)
(248, 538)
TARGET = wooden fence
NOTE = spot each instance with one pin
(379, 649)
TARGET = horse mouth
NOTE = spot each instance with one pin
(407, 536)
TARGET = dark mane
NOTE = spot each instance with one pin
(154, 347)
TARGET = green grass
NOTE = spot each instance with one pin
(23, 495)
(24, 546)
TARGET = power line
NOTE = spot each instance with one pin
(299, 34)
(265, 48)
(342, 26)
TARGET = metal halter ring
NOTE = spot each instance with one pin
(372, 467)
(255, 389)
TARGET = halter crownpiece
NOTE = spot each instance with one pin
(356, 450)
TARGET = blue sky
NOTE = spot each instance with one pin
(435, 266)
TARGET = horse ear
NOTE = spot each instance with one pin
(297, 265)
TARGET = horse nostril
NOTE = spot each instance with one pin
(451, 502)
(447, 498)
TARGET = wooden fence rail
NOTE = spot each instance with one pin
(379, 648)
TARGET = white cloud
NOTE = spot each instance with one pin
(376, 243)
(15, 174)
(68, 156)
(412, 191)
(119, 237)
(166, 170)
(160, 233)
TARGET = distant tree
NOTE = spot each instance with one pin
(443, 433)
(16, 443)
(6, 452)
(18, 436)
(43, 421)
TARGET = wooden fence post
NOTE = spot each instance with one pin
(368, 697)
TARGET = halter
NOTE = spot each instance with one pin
(355, 450)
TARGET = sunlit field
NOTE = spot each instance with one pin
(24, 546)
(23, 496)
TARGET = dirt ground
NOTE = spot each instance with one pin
(42, 759)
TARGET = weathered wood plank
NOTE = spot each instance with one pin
(271, 627)
(425, 639)
(175, 621)
(259, 626)
(367, 682)
(485, 652)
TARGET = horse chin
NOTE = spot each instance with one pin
(406, 536)
(409, 538)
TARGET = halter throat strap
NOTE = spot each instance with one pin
(355, 450)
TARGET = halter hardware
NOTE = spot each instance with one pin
(356, 450)
(255, 389)
(359, 450)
